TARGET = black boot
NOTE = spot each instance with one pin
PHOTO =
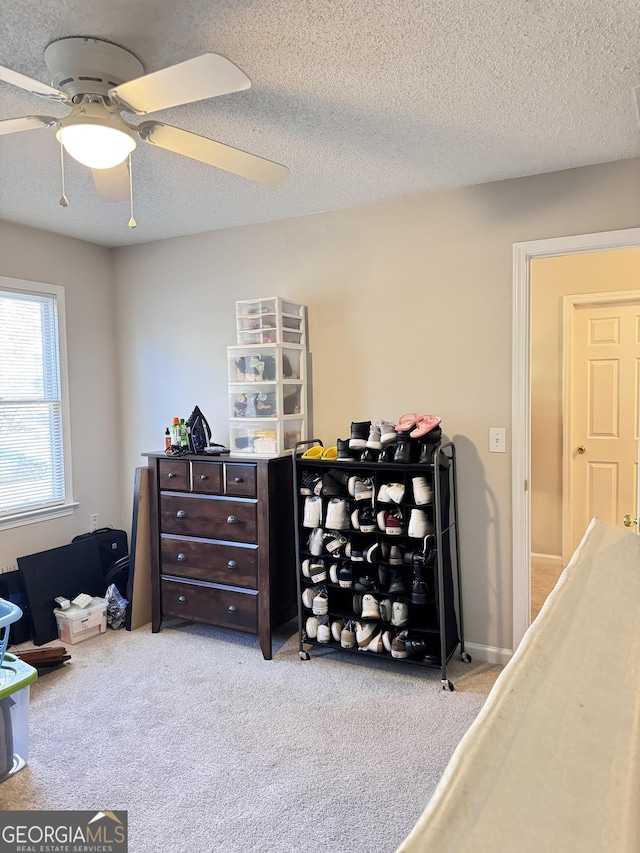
(403, 449)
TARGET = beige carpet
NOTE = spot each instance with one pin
(544, 577)
(211, 748)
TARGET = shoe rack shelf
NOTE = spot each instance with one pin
(410, 568)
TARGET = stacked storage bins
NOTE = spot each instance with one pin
(15, 680)
(267, 371)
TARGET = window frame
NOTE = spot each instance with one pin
(67, 505)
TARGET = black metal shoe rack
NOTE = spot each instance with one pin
(434, 628)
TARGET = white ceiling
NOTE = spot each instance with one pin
(363, 101)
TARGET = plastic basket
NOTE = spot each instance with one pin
(8, 613)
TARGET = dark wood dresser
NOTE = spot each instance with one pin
(222, 542)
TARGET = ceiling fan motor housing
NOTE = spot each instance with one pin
(81, 66)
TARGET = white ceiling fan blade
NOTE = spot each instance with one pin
(214, 153)
(112, 184)
(14, 125)
(204, 76)
(31, 85)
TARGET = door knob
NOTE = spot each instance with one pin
(629, 520)
(581, 448)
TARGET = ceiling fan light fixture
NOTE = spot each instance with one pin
(95, 143)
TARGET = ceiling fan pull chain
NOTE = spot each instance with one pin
(132, 222)
(64, 201)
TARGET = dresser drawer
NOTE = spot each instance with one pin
(240, 480)
(210, 518)
(210, 561)
(207, 478)
(212, 604)
(174, 474)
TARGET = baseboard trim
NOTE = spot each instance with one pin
(549, 559)
(489, 654)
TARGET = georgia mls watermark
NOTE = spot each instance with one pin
(63, 832)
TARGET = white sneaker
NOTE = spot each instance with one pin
(312, 511)
(333, 572)
(364, 634)
(386, 610)
(305, 568)
(317, 571)
(307, 597)
(383, 494)
(337, 515)
(388, 434)
(336, 629)
(311, 627)
(355, 520)
(422, 491)
(386, 640)
(363, 489)
(419, 524)
(324, 631)
(348, 636)
(399, 614)
(395, 492)
(370, 607)
(316, 540)
(376, 645)
(320, 604)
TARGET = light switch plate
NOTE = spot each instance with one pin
(497, 440)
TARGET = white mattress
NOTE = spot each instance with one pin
(552, 762)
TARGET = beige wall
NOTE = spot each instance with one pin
(409, 310)
(551, 279)
(85, 272)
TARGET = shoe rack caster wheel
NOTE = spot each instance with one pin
(465, 657)
(447, 685)
(304, 655)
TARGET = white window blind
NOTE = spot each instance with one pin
(32, 459)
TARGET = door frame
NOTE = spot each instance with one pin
(569, 304)
(523, 254)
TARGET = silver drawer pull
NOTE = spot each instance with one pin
(204, 476)
(232, 564)
(182, 599)
(232, 520)
(181, 557)
(181, 514)
(171, 475)
(238, 480)
(231, 608)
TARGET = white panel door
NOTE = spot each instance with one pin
(604, 415)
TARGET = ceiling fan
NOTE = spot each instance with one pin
(99, 81)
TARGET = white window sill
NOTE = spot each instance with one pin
(19, 519)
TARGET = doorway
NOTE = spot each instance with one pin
(524, 256)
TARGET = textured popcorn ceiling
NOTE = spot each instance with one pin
(363, 101)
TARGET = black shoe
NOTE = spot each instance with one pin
(428, 444)
(397, 585)
(339, 476)
(331, 487)
(416, 648)
(359, 434)
(365, 584)
(344, 451)
(387, 453)
(419, 589)
(403, 449)
(310, 483)
(369, 455)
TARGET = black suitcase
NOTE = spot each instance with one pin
(112, 545)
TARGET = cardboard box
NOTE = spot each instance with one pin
(76, 624)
